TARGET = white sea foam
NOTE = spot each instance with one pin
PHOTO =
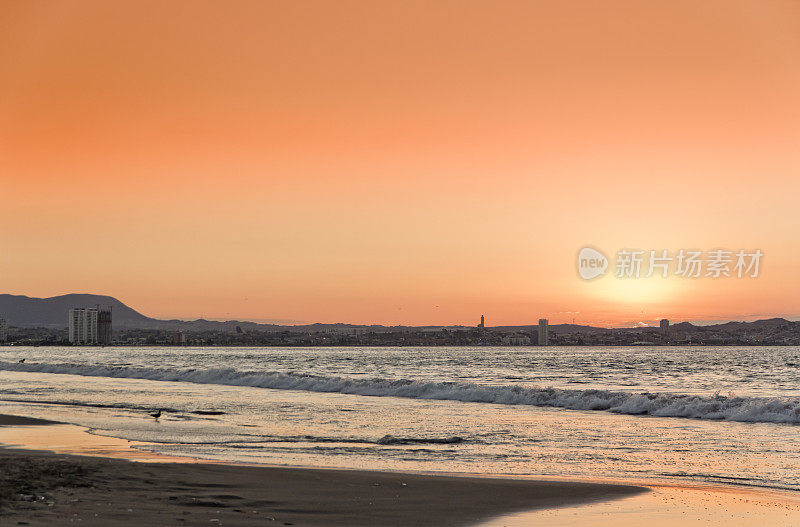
(744, 409)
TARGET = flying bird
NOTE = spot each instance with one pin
(157, 414)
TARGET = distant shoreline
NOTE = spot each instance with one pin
(44, 321)
(532, 346)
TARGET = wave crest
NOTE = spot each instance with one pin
(718, 407)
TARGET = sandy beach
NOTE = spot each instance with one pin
(54, 473)
(45, 488)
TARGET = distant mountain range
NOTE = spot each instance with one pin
(29, 312)
(24, 311)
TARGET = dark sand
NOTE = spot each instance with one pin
(10, 420)
(42, 488)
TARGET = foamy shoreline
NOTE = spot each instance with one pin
(716, 407)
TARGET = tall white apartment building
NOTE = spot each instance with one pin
(83, 325)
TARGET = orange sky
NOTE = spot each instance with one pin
(398, 162)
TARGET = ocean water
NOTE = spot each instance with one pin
(717, 415)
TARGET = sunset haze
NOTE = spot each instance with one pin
(399, 162)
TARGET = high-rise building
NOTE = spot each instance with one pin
(543, 332)
(481, 325)
(664, 326)
(89, 325)
(83, 325)
(3, 330)
(104, 327)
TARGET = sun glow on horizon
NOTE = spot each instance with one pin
(642, 292)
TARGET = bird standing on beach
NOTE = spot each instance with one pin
(157, 414)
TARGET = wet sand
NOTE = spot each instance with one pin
(18, 420)
(45, 488)
(671, 505)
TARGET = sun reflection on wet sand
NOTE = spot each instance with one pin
(667, 506)
(73, 439)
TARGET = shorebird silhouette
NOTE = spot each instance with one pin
(21, 361)
(157, 414)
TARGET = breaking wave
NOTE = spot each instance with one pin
(718, 407)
